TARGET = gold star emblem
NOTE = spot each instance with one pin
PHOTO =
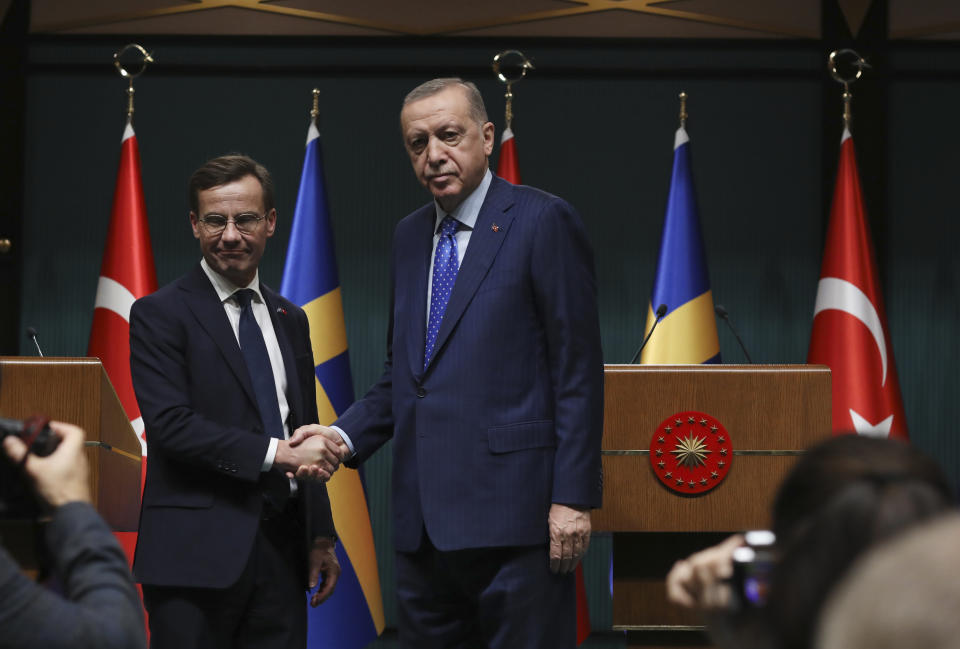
(678, 422)
(690, 420)
(721, 440)
(661, 464)
(669, 475)
(667, 429)
(703, 481)
(691, 451)
(679, 481)
(721, 464)
(703, 422)
(723, 451)
(659, 452)
(714, 475)
(660, 440)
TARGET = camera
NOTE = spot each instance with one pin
(34, 431)
(752, 567)
(17, 500)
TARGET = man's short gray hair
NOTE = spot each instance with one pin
(429, 88)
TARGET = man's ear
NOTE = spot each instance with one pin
(195, 224)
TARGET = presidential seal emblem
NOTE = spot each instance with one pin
(691, 452)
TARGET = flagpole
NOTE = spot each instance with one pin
(858, 64)
(521, 67)
(145, 58)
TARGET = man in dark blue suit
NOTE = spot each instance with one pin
(492, 393)
(223, 372)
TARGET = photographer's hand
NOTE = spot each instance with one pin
(700, 580)
(61, 477)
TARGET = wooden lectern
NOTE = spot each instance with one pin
(77, 390)
(771, 412)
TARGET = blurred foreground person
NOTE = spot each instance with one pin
(903, 595)
(99, 608)
(841, 497)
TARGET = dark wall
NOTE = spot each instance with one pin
(594, 123)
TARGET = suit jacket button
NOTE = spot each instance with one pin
(421, 391)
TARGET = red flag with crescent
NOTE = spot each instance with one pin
(850, 330)
(126, 273)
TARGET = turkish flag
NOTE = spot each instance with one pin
(126, 273)
(850, 332)
(508, 168)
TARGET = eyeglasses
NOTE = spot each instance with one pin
(214, 224)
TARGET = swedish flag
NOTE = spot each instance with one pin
(310, 280)
(688, 331)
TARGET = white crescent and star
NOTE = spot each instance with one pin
(840, 295)
(114, 296)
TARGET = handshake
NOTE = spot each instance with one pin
(313, 452)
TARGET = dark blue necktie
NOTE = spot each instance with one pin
(258, 364)
(275, 485)
(445, 266)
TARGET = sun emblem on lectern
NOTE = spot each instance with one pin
(690, 452)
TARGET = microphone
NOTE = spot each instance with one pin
(661, 311)
(722, 312)
(32, 335)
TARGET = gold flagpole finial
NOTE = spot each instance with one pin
(683, 110)
(517, 70)
(145, 58)
(857, 63)
(315, 111)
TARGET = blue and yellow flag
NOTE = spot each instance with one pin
(688, 331)
(355, 611)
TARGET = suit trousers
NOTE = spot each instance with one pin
(494, 598)
(264, 609)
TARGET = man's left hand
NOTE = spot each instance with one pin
(569, 536)
(323, 560)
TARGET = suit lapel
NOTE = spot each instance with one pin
(282, 326)
(201, 298)
(415, 279)
(485, 242)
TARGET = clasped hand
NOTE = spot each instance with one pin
(313, 453)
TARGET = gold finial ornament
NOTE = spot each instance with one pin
(315, 111)
(510, 66)
(145, 58)
(851, 60)
(683, 110)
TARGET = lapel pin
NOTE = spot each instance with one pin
(495, 227)
(280, 309)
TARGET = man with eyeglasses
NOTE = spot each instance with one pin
(223, 372)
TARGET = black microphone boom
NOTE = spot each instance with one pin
(32, 335)
(725, 316)
(661, 311)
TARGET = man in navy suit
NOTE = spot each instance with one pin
(223, 372)
(492, 393)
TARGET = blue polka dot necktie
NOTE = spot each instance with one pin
(445, 266)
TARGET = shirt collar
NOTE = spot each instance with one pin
(224, 287)
(467, 211)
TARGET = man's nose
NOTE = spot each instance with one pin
(436, 152)
(231, 233)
